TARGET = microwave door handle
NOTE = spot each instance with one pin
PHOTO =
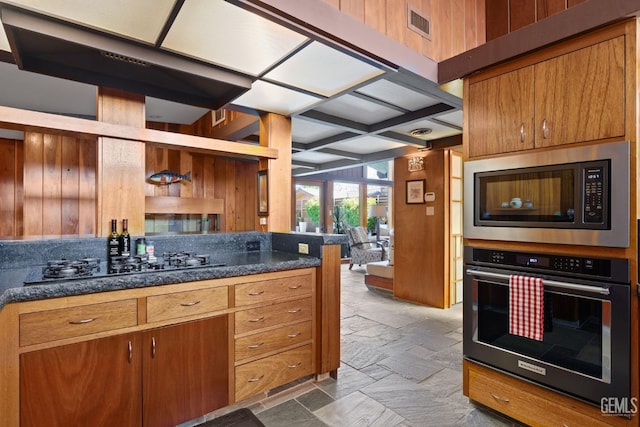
(572, 286)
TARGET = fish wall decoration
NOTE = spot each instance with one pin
(167, 177)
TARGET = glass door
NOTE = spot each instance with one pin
(308, 208)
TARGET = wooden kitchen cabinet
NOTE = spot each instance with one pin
(185, 371)
(574, 92)
(95, 382)
(274, 334)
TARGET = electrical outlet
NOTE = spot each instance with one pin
(303, 248)
(263, 221)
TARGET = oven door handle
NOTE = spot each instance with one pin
(572, 286)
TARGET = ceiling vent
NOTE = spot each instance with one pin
(418, 23)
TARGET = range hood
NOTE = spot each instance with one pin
(45, 45)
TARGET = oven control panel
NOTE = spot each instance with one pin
(598, 267)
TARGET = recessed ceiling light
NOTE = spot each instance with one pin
(420, 132)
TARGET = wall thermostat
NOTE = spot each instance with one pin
(430, 196)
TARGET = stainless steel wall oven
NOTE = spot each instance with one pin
(586, 343)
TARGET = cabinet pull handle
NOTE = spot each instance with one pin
(83, 321)
(153, 346)
(297, 334)
(190, 304)
(255, 345)
(522, 134)
(295, 287)
(545, 129)
(297, 310)
(257, 319)
(499, 399)
(255, 293)
(294, 366)
(130, 348)
(253, 380)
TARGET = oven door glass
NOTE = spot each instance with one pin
(535, 196)
(576, 330)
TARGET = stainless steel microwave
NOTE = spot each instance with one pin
(577, 195)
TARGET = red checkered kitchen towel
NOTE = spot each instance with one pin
(526, 307)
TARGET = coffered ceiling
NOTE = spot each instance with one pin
(347, 108)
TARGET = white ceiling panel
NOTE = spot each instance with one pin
(323, 70)
(306, 131)
(141, 19)
(221, 33)
(397, 95)
(315, 157)
(366, 145)
(356, 109)
(437, 130)
(276, 99)
(453, 118)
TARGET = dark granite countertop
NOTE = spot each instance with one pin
(12, 288)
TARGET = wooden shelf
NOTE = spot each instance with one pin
(183, 205)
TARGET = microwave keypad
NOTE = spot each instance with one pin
(593, 195)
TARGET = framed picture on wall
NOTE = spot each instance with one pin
(415, 191)
(263, 193)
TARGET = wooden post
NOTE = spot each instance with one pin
(121, 163)
(275, 132)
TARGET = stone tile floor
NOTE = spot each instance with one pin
(401, 366)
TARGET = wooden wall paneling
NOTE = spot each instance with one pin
(354, 8)
(251, 196)
(219, 191)
(149, 169)
(481, 17)
(33, 175)
(197, 175)
(429, 47)
(458, 19)
(497, 18)
(397, 20)
(70, 186)
(87, 158)
(419, 260)
(547, 8)
(230, 196)
(209, 183)
(471, 25)
(328, 311)
(445, 22)
(51, 185)
(19, 189)
(7, 187)
(375, 14)
(521, 13)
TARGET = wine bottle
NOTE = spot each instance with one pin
(113, 242)
(125, 239)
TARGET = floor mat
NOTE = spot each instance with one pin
(240, 418)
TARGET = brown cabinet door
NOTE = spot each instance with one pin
(185, 371)
(501, 113)
(580, 96)
(91, 383)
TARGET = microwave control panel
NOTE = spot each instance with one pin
(594, 195)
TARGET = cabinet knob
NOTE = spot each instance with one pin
(295, 287)
(256, 379)
(522, 134)
(297, 310)
(256, 293)
(252, 346)
(294, 366)
(257, 319)
(297, 334)
(130, 348)
(499, 399)
(153, 346)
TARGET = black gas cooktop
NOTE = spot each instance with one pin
(65, 269)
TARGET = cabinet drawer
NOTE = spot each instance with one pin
(188, 303)
(270, 372)
(269, 290)
(263, 317)
(506, 395)
(265, 342)
(71, 322)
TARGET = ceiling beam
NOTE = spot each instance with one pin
(324, 118)
(316, 145)
(421, 114)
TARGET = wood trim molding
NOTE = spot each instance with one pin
(183, 205)
(18, 119)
